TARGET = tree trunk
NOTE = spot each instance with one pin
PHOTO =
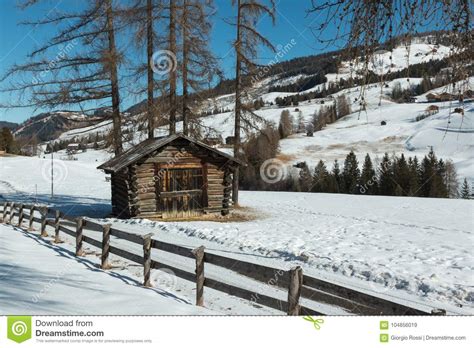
(116, 118)
(238, 81)
(185, 67)
(172, 48)
(149, 49)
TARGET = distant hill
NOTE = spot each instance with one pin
(49, 125)
(283, 83)
(10, 125)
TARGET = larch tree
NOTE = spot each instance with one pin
(78, 66)
(143, 17)
(246, 44)
(451, 179)
(150, 9)
(173, 77)
(199, 66)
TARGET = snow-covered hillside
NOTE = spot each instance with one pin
(417, 249)
(450, 134)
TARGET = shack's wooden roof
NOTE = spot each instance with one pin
(148, 146)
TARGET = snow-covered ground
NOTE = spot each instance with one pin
(38, 277)
(416, 246)
(411, 248)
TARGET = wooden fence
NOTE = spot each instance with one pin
(299, 287)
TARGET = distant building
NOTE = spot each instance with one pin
(468, 94)
(213, 141)
(72, 149)
(30, 150)
(230, 140)
(432, 109)
(432, 97)
(445, 96)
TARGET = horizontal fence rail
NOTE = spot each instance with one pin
(292, 281)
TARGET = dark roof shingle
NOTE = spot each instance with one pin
(146, 147)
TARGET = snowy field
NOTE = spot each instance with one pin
(65, 284)
(416, 249)
(413, 249)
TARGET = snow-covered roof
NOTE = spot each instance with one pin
(146, 147)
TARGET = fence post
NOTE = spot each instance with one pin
(12, 213)
(44, 223)
(56, 227)
(32, 213)
(147, 259)
(105, 246)
(5, 206)
(199, 255)
(79, 228)
(294, 290)
(20, 215)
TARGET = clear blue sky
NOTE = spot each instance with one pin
(16, 40)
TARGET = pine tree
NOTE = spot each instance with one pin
(368, 178)
(336, 178)
(351, 173)
(438, 187)
(427, 173)
(465, 190)
(414, 173)
(320, 178)
(305, 178)
(401, 176)
(386, 182)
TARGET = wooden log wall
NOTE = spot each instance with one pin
(121, 199)
(144, 185)
(136, 190)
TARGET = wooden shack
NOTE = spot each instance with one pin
(170, 177)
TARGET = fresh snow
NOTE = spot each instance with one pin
(413, 249)
(40, 278)
(416, 249)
